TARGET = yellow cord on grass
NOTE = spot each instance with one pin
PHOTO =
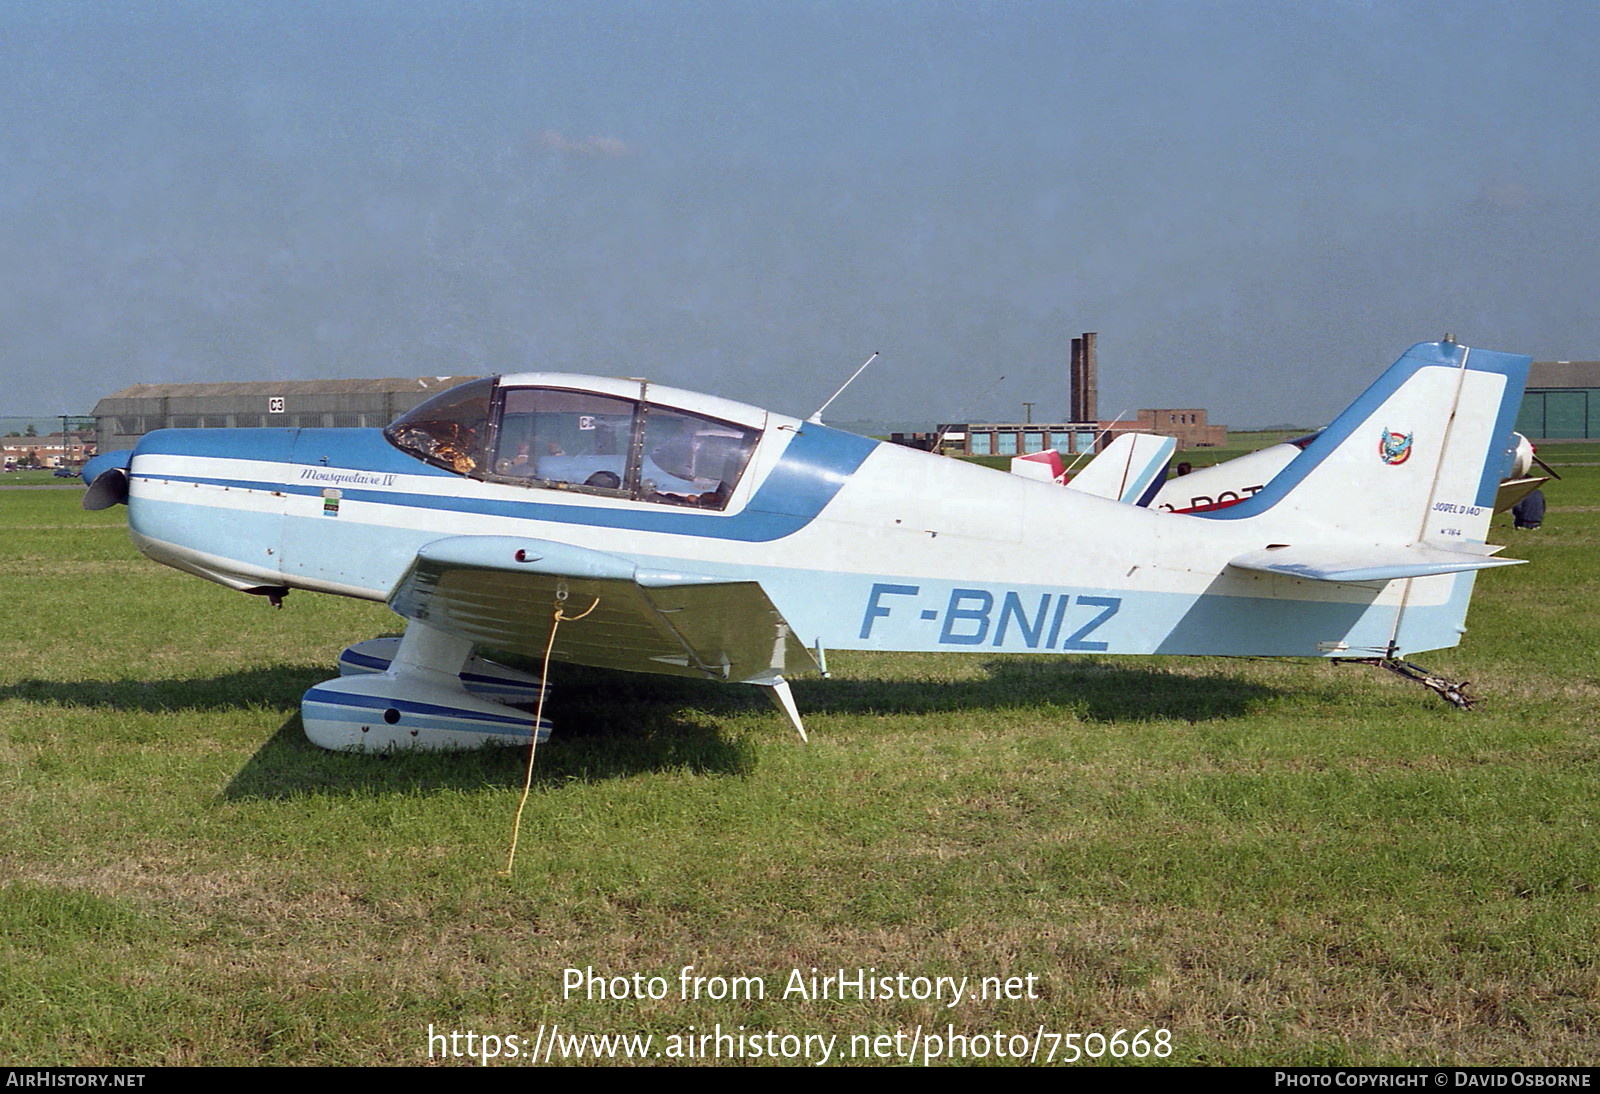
(556, 619)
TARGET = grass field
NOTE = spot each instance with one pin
(1272, 861)
(33, 478)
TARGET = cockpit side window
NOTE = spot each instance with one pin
(689, 459)
(450, 430)
(551, 437)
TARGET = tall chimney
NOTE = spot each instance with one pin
(1075, 383)
(1091, 379)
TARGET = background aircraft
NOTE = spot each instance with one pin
(713, 539)
(1231, 481)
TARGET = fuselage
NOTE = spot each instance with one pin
(859, 544)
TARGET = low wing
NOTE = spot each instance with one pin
(501, 592)
(1368, 563)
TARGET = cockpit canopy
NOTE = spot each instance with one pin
(561, 438)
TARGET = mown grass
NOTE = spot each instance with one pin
(1280, 862)
(41, 477)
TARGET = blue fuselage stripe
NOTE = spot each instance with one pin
(816, 464)
(412, 706)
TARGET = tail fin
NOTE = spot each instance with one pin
(1415, 460)
(1401, 486)
(1130, 470)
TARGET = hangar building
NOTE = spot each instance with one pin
(1188, 426)
(121, 419)
(1562, 402)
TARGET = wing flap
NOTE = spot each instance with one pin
(1375, 562)
(501, 592)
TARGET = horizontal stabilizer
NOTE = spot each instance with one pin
(1512, 491)
(1368, 563)
(1043, 466)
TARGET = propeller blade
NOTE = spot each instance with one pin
(109, 488)
(1553, 473)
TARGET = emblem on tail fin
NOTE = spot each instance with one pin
(1394, 448)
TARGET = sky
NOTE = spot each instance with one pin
(1257, 206)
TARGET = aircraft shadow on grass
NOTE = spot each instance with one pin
(268, 688)
(616, 724)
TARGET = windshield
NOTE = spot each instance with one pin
(450, 430)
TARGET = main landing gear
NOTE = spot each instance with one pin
(427, 690)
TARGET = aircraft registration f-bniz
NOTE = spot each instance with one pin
(726, 542)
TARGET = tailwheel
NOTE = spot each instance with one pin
(1453, 693)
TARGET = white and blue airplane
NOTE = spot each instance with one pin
(720, 541)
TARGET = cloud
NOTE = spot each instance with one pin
(608, 148)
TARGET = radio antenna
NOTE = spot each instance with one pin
(939, 440)
(1093, 444)
(817, 417)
